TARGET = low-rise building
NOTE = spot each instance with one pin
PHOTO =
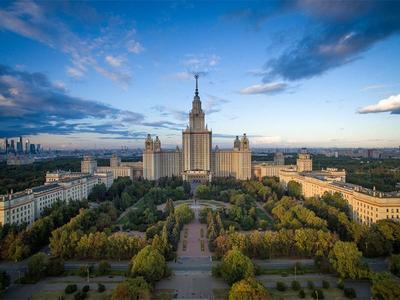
(28, 205)
(121, 169)
(367, 206)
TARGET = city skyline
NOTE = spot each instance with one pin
(294, 74)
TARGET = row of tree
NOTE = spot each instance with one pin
(63, 240)
(290, 214)
(19, 242)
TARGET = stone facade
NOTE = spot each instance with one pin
(28, 205)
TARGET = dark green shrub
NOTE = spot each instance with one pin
(80, 295)
(350, 293)
(340, 284)
(317, 294)
(284, 274)
(310, 285)
(55, 267)
(83, 271)
(325, 284)
(71, 288)
(86, 289)
(104, 267)
(216, 271)
(296, 285)
(101, 287)
(281, 286)
(302, 294)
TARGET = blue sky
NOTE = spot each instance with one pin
(288, 73)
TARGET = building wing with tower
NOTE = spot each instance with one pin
(197, 161)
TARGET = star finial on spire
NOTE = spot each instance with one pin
(196, 76)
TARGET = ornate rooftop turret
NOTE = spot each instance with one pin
(157, 144)
(148, 144)
(236, 143)
(196, 115)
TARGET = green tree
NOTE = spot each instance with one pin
(394, 264)
(169, 207)
(104, 267)
(98, 193)
(149, 263)
(294, 189)
(132, 289)
(236, 266)
(4, 280)
(203, 192)
(248, 289)
(184, 213)
(384, 287)
(346, 260)
(37, 265)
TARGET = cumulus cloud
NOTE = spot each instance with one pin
(200, 63)
(135, 47)
(264, 88)
(390, 104)
(113, 61)
(337, 33)
(31, 104)
(37, 21)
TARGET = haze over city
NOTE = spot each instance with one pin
(288, 73)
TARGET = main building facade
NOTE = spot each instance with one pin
(197, 161)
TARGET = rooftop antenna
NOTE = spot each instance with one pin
(196, 76)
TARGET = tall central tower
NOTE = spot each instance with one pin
(196, 141)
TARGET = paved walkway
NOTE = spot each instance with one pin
(192, 285)
(193, 241)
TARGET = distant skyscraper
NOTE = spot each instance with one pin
(32, 149)
(38, 148)
(21, 142)
(27, 146)
(5, 146)
(12, 147)
(19, 147)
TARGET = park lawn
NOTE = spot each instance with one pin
(289, 294)
(221, 294)
(288, 271)
(263, 216)
(55, 295)
(163, 294)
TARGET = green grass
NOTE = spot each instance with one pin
(288, 271)
(54, 295)
(263, 216)
(163, 294)
(289, 294)
(221, 294)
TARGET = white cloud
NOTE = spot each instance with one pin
(264, 88)
(184, 75)
(374, 87)
(113, 61)
(60, 85)
(37, 22)
(135, 47)
(74, 72)
(391, 104)
(201, 62)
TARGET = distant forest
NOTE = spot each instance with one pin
(19, 178)
(381, 173)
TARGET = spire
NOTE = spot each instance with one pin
(196, 93)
